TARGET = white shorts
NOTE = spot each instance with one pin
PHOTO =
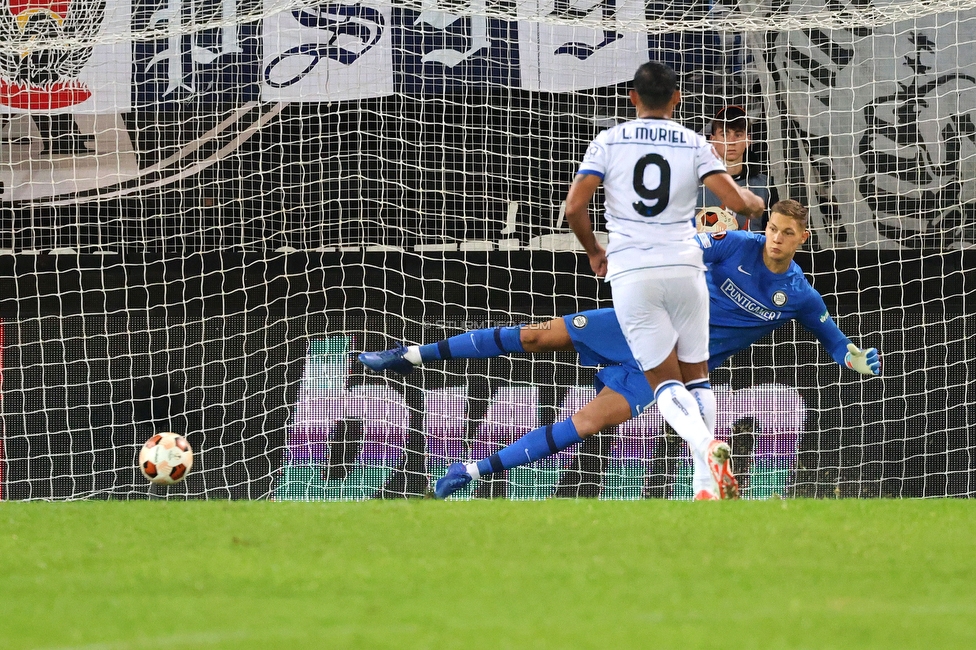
(655, 313)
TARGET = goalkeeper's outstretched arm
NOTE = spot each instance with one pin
(817, 319)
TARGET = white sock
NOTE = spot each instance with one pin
(472, 469)
(680, 410)
(702, 479)
(413, 355)
(706, 403)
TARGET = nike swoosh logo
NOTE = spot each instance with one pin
(742, 270)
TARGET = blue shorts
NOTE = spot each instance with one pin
(597, 338)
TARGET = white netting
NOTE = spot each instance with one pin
(209, 206)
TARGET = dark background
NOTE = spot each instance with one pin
(393, 171)
(98, 354)
(193, 321)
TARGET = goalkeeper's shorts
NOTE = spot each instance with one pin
(598, 340)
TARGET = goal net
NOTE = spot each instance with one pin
(210, 207)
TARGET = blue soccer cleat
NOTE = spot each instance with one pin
(455, 479)
(387, 360)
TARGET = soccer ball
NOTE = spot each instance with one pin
(166, 458)
(715, 220)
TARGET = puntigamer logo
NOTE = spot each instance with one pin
(747, 302)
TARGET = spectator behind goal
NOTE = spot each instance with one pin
(730, 137)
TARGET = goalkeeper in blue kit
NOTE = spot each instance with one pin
(754, 287)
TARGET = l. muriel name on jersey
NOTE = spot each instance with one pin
(747, 302)
(659, 134)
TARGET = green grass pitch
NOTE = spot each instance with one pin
(496, 574)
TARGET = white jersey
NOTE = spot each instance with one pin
(651, 170)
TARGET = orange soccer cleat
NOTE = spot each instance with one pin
(719, 458)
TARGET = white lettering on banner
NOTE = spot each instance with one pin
(173, 16)
(327, 52)
(583, 51)
(91, 74)
(61, 130)
(479, 40)
(902, 97)
(228, 33)
(352, 29)
(559, 57)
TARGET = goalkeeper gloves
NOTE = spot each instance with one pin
(866, 362)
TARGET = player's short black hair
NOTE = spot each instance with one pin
(655, 83)
(731, 117)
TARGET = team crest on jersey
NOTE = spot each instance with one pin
(717, 235)
(779, 298)
(580, 321)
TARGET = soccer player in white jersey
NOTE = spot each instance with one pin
(651, 169)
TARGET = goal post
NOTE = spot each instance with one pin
(210, 208)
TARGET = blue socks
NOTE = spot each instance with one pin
(538, 443)
(477, 344)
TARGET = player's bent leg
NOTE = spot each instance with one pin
(536, 444)
(713, 470)
(548, 336)
(608, 408)
(716, 474)
(679, 408)
(703, 484)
